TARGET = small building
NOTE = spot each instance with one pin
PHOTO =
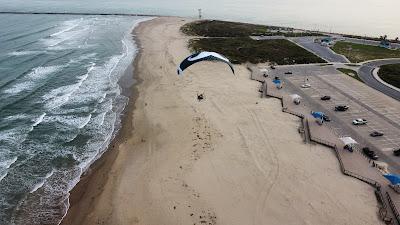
(349, 143)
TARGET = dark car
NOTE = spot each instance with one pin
(325, 98)
(376, 134)
(371, 154)
(272, 67)
(396, 152)
(326, 118)
(341, 108)
(288, 72)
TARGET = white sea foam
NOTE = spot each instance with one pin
(16, 117)
(30, 80)
(103, 97)
(83, 57)
(96, 89)
(8, 135)
(102, 117)
(85, 122)
(68, 25)
(22, 53)
(73, 34)
(41, 183)
(5, 165)
(85, 164)
(69, 120)
(61, 95)
(39, 120)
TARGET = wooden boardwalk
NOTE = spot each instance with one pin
(353, 164)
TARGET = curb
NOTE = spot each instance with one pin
(376, 76)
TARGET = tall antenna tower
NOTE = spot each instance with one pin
(199, 14)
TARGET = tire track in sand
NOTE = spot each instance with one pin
(272, 176)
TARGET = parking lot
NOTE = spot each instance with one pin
(381, 112)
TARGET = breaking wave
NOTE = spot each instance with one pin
(59, 113)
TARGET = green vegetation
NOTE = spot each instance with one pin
(232, 40)
(245, 49)
(217, 28)
(390, 74)
(371, 38)
(350, 73)
(359, 53)
(326, 64)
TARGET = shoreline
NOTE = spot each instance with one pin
(180, 161)
(79, 198)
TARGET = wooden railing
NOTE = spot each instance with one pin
(393, 206)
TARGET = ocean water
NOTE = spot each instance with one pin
(60, 105)
(362, 17)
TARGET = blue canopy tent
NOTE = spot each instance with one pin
(317, 115)
(278, 83)
(393, 178)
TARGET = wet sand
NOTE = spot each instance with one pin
(232, 158)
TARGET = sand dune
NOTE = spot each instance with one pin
(231, 159)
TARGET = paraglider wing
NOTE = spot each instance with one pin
(203, 56)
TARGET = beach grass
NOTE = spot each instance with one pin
(390, 74)
(245, 49)
(351, 73)
(360, 53)
(217, 28)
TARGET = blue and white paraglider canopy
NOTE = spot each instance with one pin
(203, 56)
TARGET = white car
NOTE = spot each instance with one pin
(305, 85)
(359, 121)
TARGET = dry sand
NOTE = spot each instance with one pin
(231, 159)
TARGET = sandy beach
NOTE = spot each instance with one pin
(232, 158)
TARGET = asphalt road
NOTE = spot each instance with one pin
(323, 52)
(339, 120)
(365, 73)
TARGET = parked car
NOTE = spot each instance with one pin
(348, 147)
(341, 108)
(325, 98)
(359, 121)
(371, 154)
(305, 86)
(376, 134)
(288, 72)
(396, 152)
(326, 118)
(272, 67)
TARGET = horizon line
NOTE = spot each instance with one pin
(79, 13)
